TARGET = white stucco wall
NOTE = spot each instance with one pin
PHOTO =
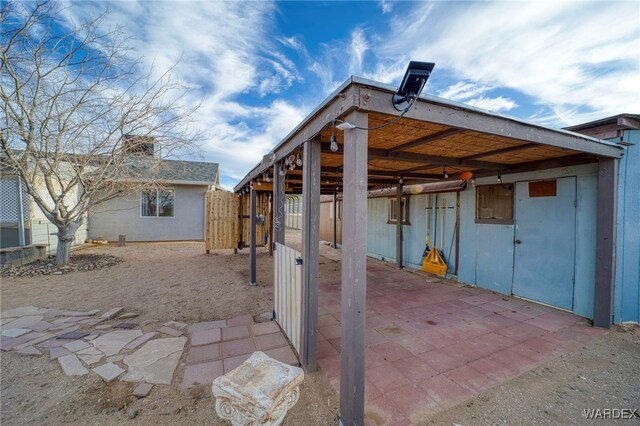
(123, 216)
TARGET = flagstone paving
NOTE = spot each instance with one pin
(88, 343)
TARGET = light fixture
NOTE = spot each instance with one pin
(258, 182)
(444, 172)
(412, 84)
(299, 160)
(401, 180)
(473, 183)
(499, 177)
(345, 125)
(291, 159)
(281, 171)
(334, 141)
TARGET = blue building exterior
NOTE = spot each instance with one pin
(555, 266)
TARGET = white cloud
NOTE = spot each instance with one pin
(497, 104)
(358, 48)
(386, 6)
(463, 90)
(224, 52)
(566, 55)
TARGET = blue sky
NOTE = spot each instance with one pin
(258, 68)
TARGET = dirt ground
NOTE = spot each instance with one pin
(162, 282)
(178, 281)
(605, 373)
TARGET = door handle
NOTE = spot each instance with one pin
(517, 242)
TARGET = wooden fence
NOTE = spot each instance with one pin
(288, 292)
(221, 230)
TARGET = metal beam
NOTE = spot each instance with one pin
(427, 139)
(399, 225)
(379, 100)
(310, 254)
(252, 238)
(354, 272)
(606, 242)
(278, 205)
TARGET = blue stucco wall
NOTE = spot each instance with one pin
(486, 251)
(627, 285)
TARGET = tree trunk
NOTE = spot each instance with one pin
(66, 235)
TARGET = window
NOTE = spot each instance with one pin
(494, 204)
(157, 203)
(405, 211)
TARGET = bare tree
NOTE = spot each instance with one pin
(78, 112)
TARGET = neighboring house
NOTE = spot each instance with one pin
(36, 227)
(174, 211)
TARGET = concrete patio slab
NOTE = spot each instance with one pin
(433, 343)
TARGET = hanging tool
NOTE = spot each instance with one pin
(426, 214)
(434, 261)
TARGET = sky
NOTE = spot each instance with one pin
(258, 68)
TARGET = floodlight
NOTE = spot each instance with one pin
(412, 84)
(345, 125)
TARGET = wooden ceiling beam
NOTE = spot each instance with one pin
(410, 157)
(501, 151)
(427, 139)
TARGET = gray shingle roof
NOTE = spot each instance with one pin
(187, 171)
(169, 171)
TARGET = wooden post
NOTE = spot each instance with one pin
(252, 238)
(278, 205)
(335, 219)
(310, 253)
(354, 271)
(399, 225)
(121, 240)
(457, 231)
(606, 242)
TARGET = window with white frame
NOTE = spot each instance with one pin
(157, 203)
(404, 208)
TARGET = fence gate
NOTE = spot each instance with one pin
(221, 230)
(288, 292)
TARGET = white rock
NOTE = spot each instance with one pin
(260, 391)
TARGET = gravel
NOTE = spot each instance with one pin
(79, 262)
